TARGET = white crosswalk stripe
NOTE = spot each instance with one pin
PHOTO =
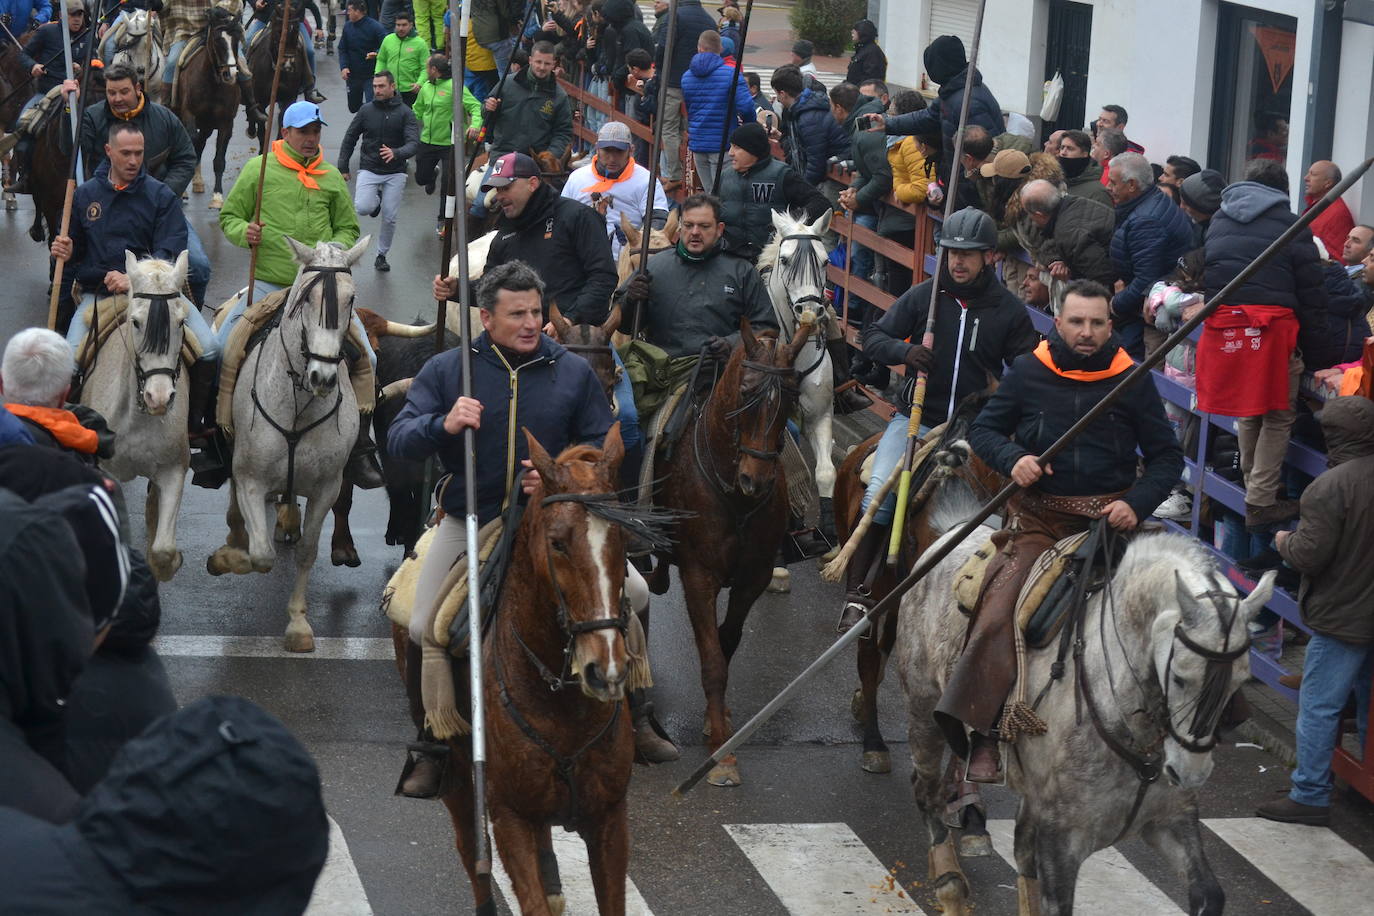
(1107, 882)
(1313, 866)
(820, 869)
(577, 880)
(338, 890)
(349, 648)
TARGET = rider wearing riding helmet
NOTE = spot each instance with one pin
(1044, 394)
(186, 20)
(980, 327)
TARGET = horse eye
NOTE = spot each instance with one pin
(558, 546)
(1178, 681)
(138, 325)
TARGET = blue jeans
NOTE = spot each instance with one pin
(198, 264)
(1132, 334)
(887, 456)
(1332, 670)
(262, 288)
(625, 400)
(502, 50)
(195, 323)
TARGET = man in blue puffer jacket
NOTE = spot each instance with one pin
(706, 91)
(810, 133)
(1152, 233)
(947, 66)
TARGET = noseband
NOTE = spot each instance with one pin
(799, 304)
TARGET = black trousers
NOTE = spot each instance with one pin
(359, 91)
(430, 161)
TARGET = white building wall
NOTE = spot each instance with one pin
(1354, 134)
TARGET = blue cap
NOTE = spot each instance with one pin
(302, 114)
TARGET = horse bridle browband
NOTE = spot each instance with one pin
(800, 304)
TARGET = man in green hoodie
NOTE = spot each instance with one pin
(434, 107)
(404, 53)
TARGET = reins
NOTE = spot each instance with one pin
(800, 304)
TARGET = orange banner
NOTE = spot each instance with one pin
(1277, 46)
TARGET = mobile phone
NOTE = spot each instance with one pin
(865, 121)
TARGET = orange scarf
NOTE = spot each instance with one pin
(133, 112)
(303, 172)
(63, 425)
(1120, 363)
(604, 184)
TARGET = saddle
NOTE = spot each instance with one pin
(192, 47)
(258, 321)
(32, 122)
(105, 317)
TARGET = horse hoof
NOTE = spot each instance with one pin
(36, 234)
(228, 560)
(345, 556)
(217, 202)
(299, 636)
(263, 564)
(198, 186)
(725, 775)
(557, 904)
(11, 202)
(706, 726)
(877, 762)
(164, 564)
(782, 581)
(975, 845)
(856, 704)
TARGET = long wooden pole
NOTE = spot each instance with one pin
(730, 106)
(266, 143)
(933, 556)
(918, 395)
(662, 77)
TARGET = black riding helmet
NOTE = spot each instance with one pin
(970, 229)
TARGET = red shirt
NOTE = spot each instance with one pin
(1333, 226)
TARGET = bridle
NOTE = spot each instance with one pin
(1212, 700)
(327, 278)
(799, 304)
(142, 375)
(221, 22)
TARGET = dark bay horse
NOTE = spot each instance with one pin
(560, 745)
(208, 95)
(16, 83)
(262, 60)
(726, 477)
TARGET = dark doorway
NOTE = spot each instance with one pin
(1067, 46)
(1253, 90)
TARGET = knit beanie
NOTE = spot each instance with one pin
(945, 59)
(1203, 190)
(753, 139)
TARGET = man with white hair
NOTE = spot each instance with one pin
(1077, 233)
(35, 379)
(1151, 235)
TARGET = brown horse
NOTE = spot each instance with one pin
(208, 96)
(48, 170)
(726, 477)
(559, 740)
(16, 83)
(262, 61)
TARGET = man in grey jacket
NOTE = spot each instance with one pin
(391, 136)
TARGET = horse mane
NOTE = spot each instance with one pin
(768, 257)
(1154, 565)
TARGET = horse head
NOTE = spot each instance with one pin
(1200, 646)
(578, 556)
(795, 260)
(319, 309)
(136, 24)
(592, 343)
(223, 37)
(762, 376)
(157, 313)
(659, 240)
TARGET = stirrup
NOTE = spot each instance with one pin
(842, 627)
(433, 752)
(1001, 779)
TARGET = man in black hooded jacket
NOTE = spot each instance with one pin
(947, 66)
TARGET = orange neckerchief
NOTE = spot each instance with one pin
(133, 112)
(61, 423)
(603, 184)
(1120, 363)
(303, 172)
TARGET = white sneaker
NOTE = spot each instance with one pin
(1178, 507)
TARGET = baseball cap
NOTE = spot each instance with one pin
(615, 134)
(510, 167)
(303, 114)
(1009, 163)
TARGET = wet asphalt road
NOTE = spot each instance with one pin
(801, 769)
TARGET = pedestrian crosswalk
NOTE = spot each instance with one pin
(1315, 867)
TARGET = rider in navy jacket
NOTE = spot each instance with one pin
(144, 217)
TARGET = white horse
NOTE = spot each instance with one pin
(793, 266)
(137, 43)
(1158, 655)
(134, 383)
(295, 421)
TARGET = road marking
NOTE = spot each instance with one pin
(339, 890)
(820, 869)
(575, 872)
(348, 648)
(1313, 866)
(1107, 881)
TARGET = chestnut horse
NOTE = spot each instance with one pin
(726, 479)
(555, 662)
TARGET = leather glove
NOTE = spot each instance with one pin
(637, 290)
(919, 359)
(719, 348)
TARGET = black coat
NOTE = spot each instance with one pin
(566, 242)
(623, 33)
(1347, 304)
(46, 48)
(381, 123)
(811, 136)
(868, 63)
(356, 41)
(983, 110)
(692, 20)
(168, 154)
(996, 331)
(1080, 235)
(1034, 406)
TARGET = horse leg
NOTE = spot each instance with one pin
(458, 800)
(252, 496)
(548, 873)
(608, 853)
(743, 594)
(299, 637)
(1058, 857)
(820, 433)
(944, 874)
(701, 591)
(1179, 841)
(197, 181)
(163, 556)
(1027, 878)
(222, 136)
(342, 551)
(233, 556)
(518, 842)
(871, 662)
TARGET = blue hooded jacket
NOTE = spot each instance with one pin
(706, 92)
(144, 217)
(811, 135)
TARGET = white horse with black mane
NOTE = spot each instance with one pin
(295, 420)
(1131, 718)
(136, 383)
(793, 268)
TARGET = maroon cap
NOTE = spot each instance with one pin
(510, 167)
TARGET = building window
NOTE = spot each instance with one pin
(1253, 93)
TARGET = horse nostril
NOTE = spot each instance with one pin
(592, 677)
(1172, 774)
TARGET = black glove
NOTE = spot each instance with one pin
(637, 290)
(719, 348)
(919, 359)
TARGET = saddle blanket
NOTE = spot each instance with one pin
(398, 598)
(106, 316)
(1039, 628)
(256, 317)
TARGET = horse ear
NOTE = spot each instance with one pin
(303, 253)
(541, 461)
(130, 262)
(561, 325)
(822, 224)
(670, 227)
(780, 221)
(1251, 605)
(746, 336)
(1188, 606)
(631, 233)
(183, 264)
(352, 255)
(612, 323)
(612, 451)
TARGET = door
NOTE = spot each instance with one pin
(1253, 91)
(1067, 46)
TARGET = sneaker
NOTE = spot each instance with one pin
(1287, 811)
(1178, 507)
(380, 264)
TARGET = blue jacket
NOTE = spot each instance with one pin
(45, 47)
(706, 92)
(145, 218)
(358, 40)
(692, 20)
(1152, 233)
(555, 395)
(13, 431)
(21, 13)
(811, 135)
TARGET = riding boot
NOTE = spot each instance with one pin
(251, 110)
(651, 743)
(859, 576)
(200, 409)
(363, 470)
(426, 759)
(23, 156)
(984, 761)
(848, 398)
(312, 94)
